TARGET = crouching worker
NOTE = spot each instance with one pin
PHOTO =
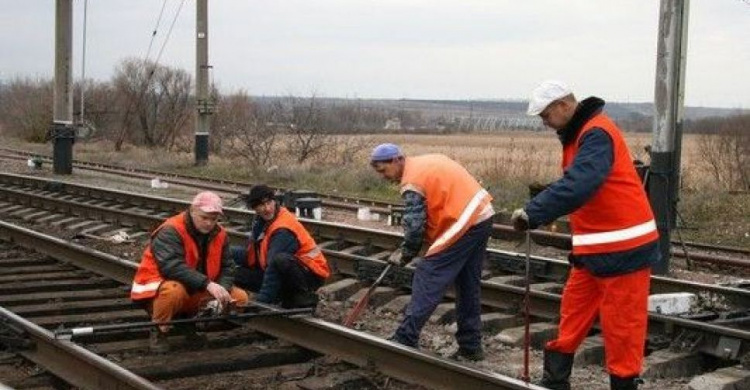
(186, 265)
(281, 262)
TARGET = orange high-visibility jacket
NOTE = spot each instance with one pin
(308, 253)
(618, 216)
(455, 200)
(148, 279)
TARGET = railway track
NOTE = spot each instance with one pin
(88, 214)
(84, 287)
(557, 237)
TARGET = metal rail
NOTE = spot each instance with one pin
(502, 231)
(337, 235)
(74, 364)
(403, 363)
(501, 296)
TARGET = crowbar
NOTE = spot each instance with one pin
(67, 333)
(526, 332)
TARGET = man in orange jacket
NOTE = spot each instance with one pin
(281, 261)
(186, 264)
(449, 210)
(615, 241)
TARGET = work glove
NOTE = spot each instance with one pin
(219, 293)
(399, 257)
(520, 220)
(395, 257)
(212, 308)
(535, 188)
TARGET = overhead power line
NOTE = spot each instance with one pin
(156, 29)
(169, 33)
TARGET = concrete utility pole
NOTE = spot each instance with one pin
(667, 142)
(83, 65)
(205, 107)
(63, 132)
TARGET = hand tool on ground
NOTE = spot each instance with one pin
(68, 333)
(526, 320)
(349, 321)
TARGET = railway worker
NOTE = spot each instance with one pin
(281, 261)
(186, 264)
(449, 210)
(615, 241)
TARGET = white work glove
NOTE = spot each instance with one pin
(395, 257)
(520, 220)
(220, 293)
(399, 258)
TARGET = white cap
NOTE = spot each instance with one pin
(546, 93)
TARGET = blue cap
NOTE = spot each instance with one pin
(385, 152)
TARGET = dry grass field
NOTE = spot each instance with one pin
(505, 163)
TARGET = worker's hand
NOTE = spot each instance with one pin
(220, 293)
(520, 220)
(401, 257)
(395, 257)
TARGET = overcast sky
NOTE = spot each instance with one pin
(417, 49)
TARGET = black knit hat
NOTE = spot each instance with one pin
(259, 194)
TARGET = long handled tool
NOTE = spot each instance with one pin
(135, 326)
(349, 321)
(526, 319)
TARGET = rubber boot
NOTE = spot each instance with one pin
(619, 383)
(557, 369)
(158, 342)
(472, 355)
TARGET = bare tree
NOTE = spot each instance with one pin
(248, 130)
(174, 108)
(306, 125)
(727, 151)
(155, 100)
(100, 107)
(348, 146)
(26, 108)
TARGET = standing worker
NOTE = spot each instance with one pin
(446, 207)
(186, 264)
(615, 241)
(281, 262)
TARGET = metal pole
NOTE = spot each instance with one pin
(83, 63)
(526, 311)
(204, 106)
(668, 103)
(63, 133)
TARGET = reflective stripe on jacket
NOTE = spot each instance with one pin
(148, 279)
(308, 253)
(618, 216)
(455, 200)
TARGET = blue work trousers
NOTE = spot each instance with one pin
(461, 265)
(284, 277)
(249, 278)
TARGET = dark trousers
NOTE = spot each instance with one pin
(461, 265)
(283, 279)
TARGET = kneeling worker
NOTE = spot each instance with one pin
(281, 262)
(186, 264)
